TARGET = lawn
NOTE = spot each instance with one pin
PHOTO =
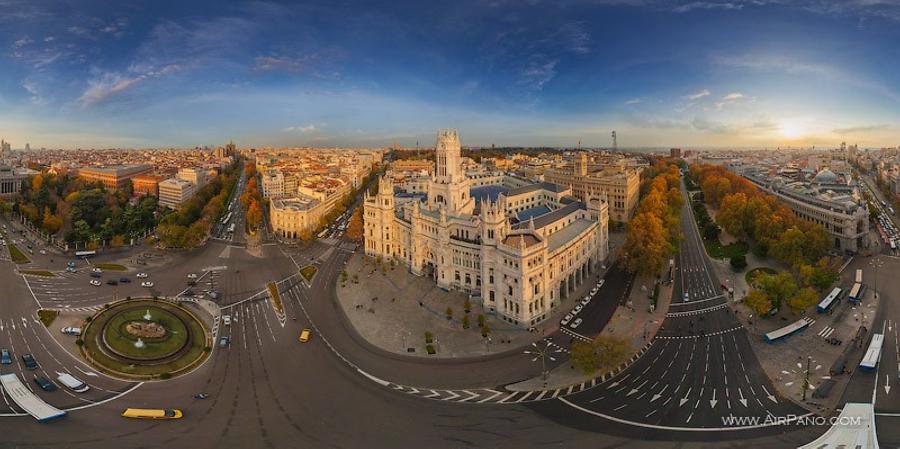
(43, 273)
(308, 272)
(47, 316)
(751, 275)
(111, 266)
(716, 250)
(119, 339)
(17, 255)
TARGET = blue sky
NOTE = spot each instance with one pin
(758, 73)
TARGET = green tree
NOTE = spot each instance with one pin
(603, 353)
(803, 299)
(759, 302)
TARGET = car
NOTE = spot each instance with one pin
(70, 269)
(595, 290)
(192, 276)
(226, 320)
(224, 341)
(577, 308)
(29, 361)
(72, 383)
(112, 282)
(5, 357)
(142, 275)
(124, 280)
(71, 330)
(96, 283)
(96, 270)
(585, 301)
(566, 319)
(43, 252)
(686, 297)
(576, 323)
(304, 335)
(213, 294)
(45, 383)
(147, 284)
(95, 275)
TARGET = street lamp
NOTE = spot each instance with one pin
(876, 264)
(543, 354)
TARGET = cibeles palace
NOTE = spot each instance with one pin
(520, 250)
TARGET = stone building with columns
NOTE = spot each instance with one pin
(520, 250)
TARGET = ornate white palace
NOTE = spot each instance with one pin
(521, 251)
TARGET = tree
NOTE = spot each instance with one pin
(803, 299)
(254, 215)
(467, 305)
(602, 353)
(739, 262)
(646, 244)
(355, 226)
(465, 322)
(778, 287)
(449, 313)
(759, 302)
(117, 241)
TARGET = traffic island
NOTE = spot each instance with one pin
(145, 339)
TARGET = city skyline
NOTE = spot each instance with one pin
(694, 74)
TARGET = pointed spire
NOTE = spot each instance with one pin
(531, 223)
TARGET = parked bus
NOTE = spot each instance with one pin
(855, 293)
(870, 361)
(226, 219)
(84, 254)
(231, 227)
(143, 413)
(859, 276)
(829, 300)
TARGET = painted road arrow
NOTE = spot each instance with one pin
(887, 384)
(685, 398)
(770, 395)
(713, 401)
(742, 400)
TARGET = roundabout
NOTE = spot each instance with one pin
(145, 339)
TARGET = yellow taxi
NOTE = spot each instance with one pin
(142, 413)
(304, 335)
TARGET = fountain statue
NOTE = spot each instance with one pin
(139, 343)
(147, 315)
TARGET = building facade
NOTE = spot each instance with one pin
(198, 176)
(11, 181)
(297, 217)
(521, 251)
(619, 185)
(174, 191)
(113, 177)
(146, 185)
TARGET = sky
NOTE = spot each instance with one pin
(662, 73)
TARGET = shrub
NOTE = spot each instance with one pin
(738, 263)
(480, 320)
(430, 349)
(165, 376)
(429, 337)
(449, 313)
(79, 342)
(467, 305)
(465, 322)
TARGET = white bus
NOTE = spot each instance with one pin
(870, 361)
(231, 227)
(226, 219)
(85, 253)
(859, 276)
(829, 300)
(28, 401)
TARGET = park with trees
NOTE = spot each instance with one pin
(653, 234)
(769, 229)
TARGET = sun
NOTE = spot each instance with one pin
(792, 128)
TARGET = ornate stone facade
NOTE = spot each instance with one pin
(520, 250)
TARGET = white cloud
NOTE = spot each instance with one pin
(302, 129)
(709, 5)
(733, 98)
(698, 95)
(633, 101)
(106, 86)
(19, 43)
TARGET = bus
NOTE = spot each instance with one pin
(226, 219)
(231, 227)
(870, 361)
(145, 413)
(27, 400)
(85, 254)
(855, 293)
(859, 276)
(829, 300)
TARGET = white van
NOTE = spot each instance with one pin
(72, 383)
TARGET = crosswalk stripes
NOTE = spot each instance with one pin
(826, 332)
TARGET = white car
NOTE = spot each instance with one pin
(595, 290)
(576, 323)
(577, 308)
(141, 275)
(566, 319)
(96, 283)
(96, 270)
(147, 284)
(226, 320)
(686, 297)
(586, 300)
(43, 253)
(71, 331)
(192, 276)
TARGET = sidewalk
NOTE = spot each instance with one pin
(633, 321)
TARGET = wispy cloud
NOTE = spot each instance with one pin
(733, 98)
(698, 95)
(300, 128)
(708, 5)
(633, 101)
(21, 42)
(860, 129)
(539, 71)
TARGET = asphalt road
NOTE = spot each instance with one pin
(268, 390)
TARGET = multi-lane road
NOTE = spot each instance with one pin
(268, 390)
